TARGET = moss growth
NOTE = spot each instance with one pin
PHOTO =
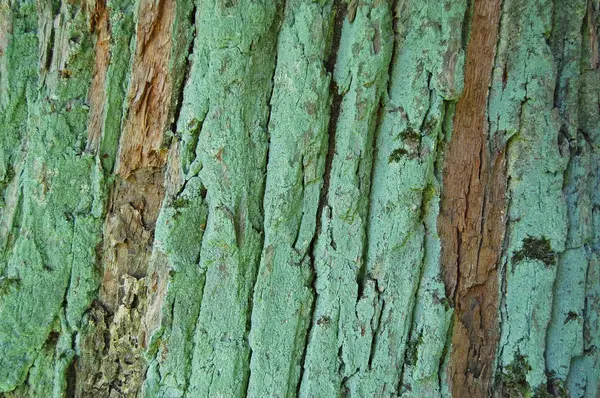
(412, 350)
(429, 126)
(4, 181)
(6, 284)
(397, 155)
(536, 249)
(541, 392)
(446, 303)
(409, 134)
(514, 378)
(429, 193)
(559, 389)
(180, 203)
(555, 388)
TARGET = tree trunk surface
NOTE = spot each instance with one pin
(299, 198)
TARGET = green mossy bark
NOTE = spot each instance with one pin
(296, 250)
(54, 201)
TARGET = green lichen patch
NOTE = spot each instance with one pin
(536, 249)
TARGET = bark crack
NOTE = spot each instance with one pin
(340, 10)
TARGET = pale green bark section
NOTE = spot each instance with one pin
(340, 336)
(299, 115)
(178, 239)
(565, 340)
(426, 71)
(224, 119)
(584, 373)
(533, 106)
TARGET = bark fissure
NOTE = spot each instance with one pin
(339, 11)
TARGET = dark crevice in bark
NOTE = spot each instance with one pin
(413, 319)
(336, 100)
(361, 275)
(339, 9)
(279, 19)
(269, 113)
(49, 50)
(54, 12)
(446, 354)
(71, 379)
(174, 126)
(374, 337)
(193, 335)
(186, 70)
(422, 212)
(467, 24)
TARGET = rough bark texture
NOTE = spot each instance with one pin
(314, 198)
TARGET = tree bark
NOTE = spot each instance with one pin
(312, 198)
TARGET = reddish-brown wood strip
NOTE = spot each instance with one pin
(471, 223)
(97, 92)
(150, 90)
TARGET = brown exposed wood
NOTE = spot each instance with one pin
(129, 230)
(472, 218)
(151, 88)
(97, 94)
(593, 36)
(134, 202)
